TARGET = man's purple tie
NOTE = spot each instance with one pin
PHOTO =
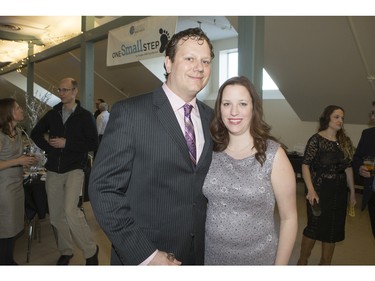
(189, 133)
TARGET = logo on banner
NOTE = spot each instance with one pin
(141, 46)
(141, 40)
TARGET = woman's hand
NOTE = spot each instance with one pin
(352, 199)
(27, 160)
(311, 196)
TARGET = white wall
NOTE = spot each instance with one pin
(285, 123)
(293, 132)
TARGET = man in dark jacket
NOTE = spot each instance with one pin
(146, 182)
(72, 134)
(366, 147)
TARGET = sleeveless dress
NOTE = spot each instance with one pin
(12, 198)
(327, 168)
(240, 225)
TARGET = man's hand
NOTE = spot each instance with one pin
(162, 258)
(364, 172)
(57, 142)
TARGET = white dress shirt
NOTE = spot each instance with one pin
(178, 108)
(101, 121)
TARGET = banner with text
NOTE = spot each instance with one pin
(140, 40)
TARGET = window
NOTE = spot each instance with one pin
(228, 65)
(229, 68)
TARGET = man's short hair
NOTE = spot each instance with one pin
(103, 106)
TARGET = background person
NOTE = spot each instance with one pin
(145, 189)
(366, 147)
(72, 134)
(327, 172)
(249, 173)
(12, 197)
(102, 119)
(97, 111)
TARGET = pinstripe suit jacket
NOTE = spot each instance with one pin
(144, 190)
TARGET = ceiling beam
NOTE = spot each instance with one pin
(93, 35)
(364, 60)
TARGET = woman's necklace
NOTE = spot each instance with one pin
(330, 138)
(13, 136)
(240, 153)
(248, 146)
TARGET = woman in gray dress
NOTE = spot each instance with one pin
(11, 189)
(249, 174)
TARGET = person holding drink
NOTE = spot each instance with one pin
(363, 165)
(73, 135)
(12, 160)
(327, 171)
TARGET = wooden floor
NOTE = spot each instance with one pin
(357, 249)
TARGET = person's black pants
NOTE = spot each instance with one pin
(6, 250)
(371, 211)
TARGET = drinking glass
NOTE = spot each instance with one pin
(369, 162)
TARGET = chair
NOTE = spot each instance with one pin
(36, 208)
(34, 229)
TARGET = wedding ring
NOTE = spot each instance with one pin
(170, 257)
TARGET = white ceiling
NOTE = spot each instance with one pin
(46, 31)
(43, 32)
(315, 61)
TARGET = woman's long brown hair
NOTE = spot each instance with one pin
(6, 114)
(259, 129)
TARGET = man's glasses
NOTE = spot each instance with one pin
(372, 112)
(64, 90)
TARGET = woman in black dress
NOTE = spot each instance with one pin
(327, 171)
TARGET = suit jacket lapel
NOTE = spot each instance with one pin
(167, 118)
(205, 119)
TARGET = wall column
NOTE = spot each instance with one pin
(86, 91)
(251, 50)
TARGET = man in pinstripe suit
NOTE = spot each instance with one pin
(145, 191)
